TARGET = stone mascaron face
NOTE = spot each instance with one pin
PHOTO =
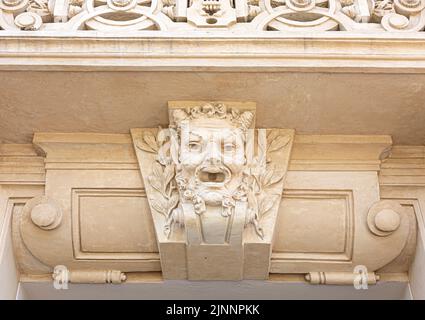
(212, 159)
(212, 152)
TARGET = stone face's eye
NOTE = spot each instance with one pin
(195, 146)
(228, 147)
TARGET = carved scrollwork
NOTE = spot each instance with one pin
(382, 8)
(307, 15)
(268, 15)
(28, 21)
(83, 15)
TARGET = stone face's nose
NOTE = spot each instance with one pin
(214, 160)
(214, 154)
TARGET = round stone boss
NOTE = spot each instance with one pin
(43, 212)
(384, 217)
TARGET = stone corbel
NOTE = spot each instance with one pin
(214, 214)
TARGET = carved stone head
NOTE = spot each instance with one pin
(212, 156)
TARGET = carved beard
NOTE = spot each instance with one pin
(208, 186)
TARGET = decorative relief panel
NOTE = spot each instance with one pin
(210, 190)
(212, 198)
(248, 15)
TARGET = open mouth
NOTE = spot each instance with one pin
(213, 175)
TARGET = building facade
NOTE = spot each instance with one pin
(212, 149)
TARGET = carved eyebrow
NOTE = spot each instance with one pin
(195, 137)
(229, 142)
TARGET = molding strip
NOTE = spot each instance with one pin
(139, 51)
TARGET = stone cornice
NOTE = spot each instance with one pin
(405, 167)
(339, 152)
(221, 51)
(20, 164)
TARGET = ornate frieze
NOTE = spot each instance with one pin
(239, 15)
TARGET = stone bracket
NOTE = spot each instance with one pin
(232, 240)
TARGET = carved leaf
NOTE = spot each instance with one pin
(262, 147)
(168, 175)
(266, 204)
(164, 144)
(168, 225)
(173, 202)
(158, 205)
(252, 203)
(143, 146)
(277, 176)
(174, 148)
(150, 140)
(278, 143)
(155, 182)
(273, 134)
(266, 177)
(157, 170)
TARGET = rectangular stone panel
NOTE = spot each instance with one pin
(111, 221)
(314, 224)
